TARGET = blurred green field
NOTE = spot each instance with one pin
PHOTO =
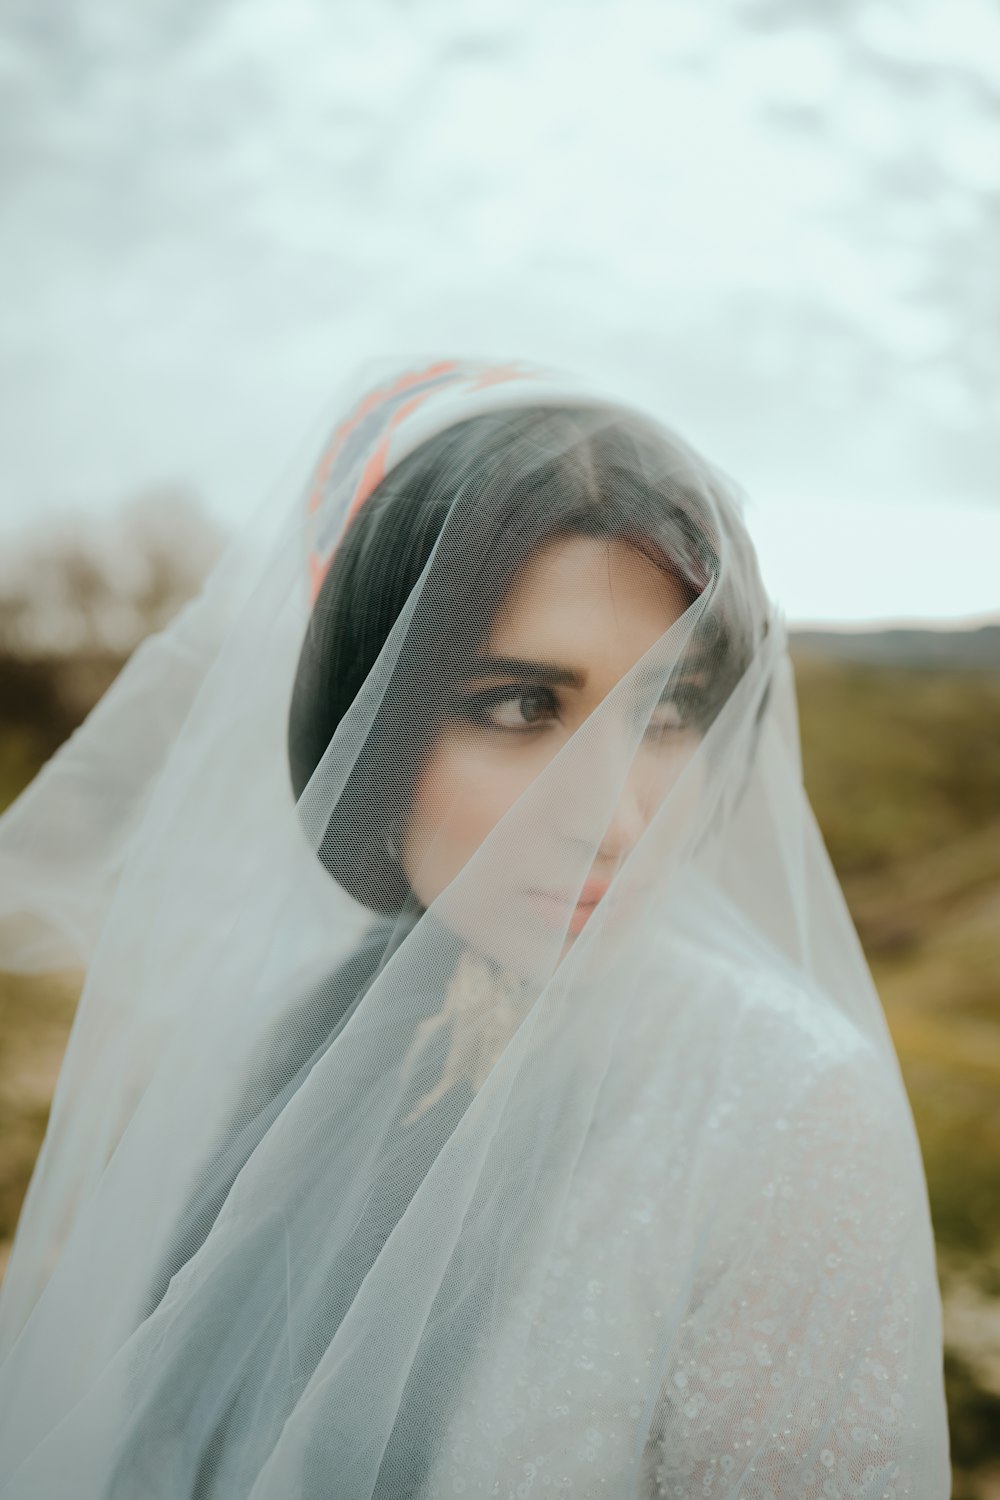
(903, 769)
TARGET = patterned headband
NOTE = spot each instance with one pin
(394, 417)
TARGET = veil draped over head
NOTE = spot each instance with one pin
(477, 1086)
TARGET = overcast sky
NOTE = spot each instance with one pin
(776, 223)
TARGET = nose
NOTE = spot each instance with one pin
(612, 775)
(626, 825)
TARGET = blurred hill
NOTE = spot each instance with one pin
(963, 650)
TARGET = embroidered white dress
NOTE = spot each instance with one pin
(793, 1190)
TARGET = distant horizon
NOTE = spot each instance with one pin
(945, 623)
(828, 565)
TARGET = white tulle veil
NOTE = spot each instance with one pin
(377, 1171)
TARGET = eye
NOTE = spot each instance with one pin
(540, 701)
(512, 709)
(676, 711)
(665, 718)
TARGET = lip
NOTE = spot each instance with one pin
(552, 904)
(592, 892)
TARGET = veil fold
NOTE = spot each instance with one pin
(458, 1102)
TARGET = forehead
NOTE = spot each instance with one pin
(588, 589)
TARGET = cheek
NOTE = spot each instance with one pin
(677, 776)
(460, 796)
(689, 795)
(673, 786)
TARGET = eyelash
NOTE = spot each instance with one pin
(476, 709)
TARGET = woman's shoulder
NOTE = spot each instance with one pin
(743, 1017)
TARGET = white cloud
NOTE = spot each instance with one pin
(781, 239)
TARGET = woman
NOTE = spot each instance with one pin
(477, 1086)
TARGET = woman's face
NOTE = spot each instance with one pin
(579, 616)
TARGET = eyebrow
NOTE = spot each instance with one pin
(520, 669)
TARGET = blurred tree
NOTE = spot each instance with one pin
(86, 587)
(174, 545)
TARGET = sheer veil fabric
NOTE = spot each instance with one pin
(477, 1086)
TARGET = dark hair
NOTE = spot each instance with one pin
(472, 476)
